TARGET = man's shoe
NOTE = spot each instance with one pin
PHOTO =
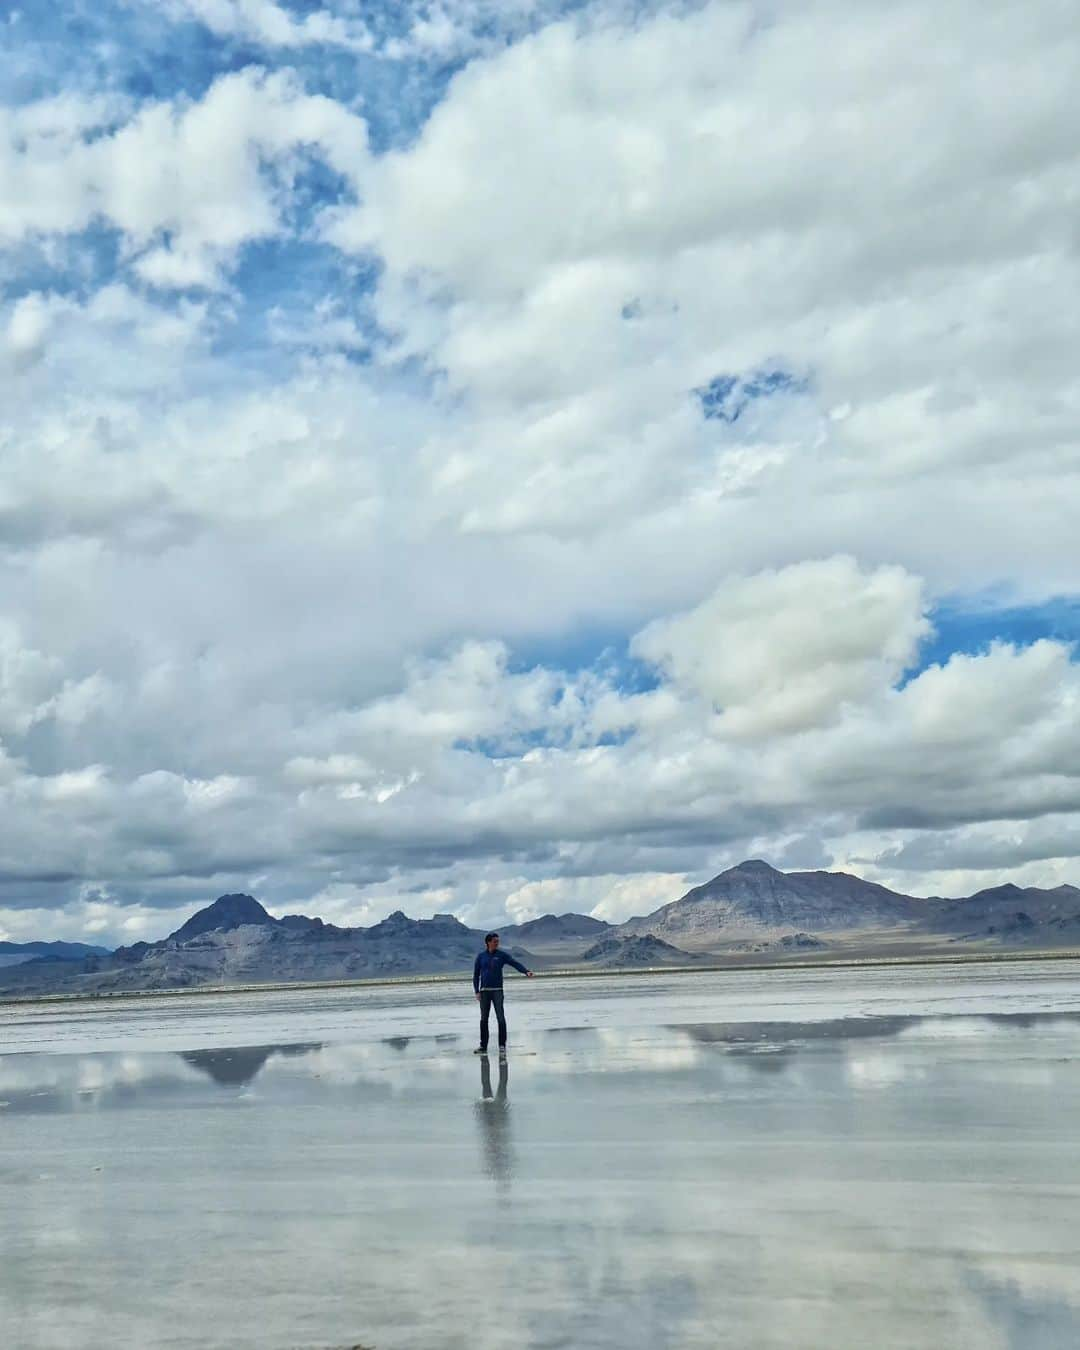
(480, 1050)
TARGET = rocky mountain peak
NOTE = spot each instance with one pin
(396, 925)
(226, 912)
(1005, 891)
(752, 867)
(755, 898)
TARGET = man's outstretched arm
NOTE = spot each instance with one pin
(516, 964)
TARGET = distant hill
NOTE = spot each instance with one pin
(626, 953)
(756, 903)
(1024, 912)
(754, 899)
(20, 953)
(553, 928)
(224, 915)
(235, 940)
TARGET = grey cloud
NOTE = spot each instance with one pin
(985, 848)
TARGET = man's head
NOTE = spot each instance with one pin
(491, 942)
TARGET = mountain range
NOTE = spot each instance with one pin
(18, 953)
(752, 911)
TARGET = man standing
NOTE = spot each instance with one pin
(487, 983)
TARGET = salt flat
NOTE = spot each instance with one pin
(843, 1158)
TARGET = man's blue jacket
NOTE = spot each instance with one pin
(488, 969)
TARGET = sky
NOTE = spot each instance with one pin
(496, 457)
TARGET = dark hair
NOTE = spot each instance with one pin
(489, 936)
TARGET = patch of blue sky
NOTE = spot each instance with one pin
(310, 187)
(147, 53)
(604, 652)
(961, 627)
(727, 397)
(73, 266)
(515, 746)
(278, 287)
(94, 47)
(189, 61)
(512, 746)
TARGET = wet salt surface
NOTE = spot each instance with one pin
(845, 1158)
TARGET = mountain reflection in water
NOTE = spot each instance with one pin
(235, 1067)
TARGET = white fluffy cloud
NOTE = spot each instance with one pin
(425, 30)
(623, 895)
(596, 222)
(185, 182)
(783, 650)
(268, 23)
(319, 611)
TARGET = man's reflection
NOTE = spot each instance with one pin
(493, 1116)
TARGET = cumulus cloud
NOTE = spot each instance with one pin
(408, 31)
(622, 895)
(784, 649)
(186, 182)
(272, 25)
(597, 221)
(472, 760)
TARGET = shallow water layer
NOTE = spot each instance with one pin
(846, 1158)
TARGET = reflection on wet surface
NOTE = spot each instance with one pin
(235, 1067)
(661, 1178)
(493, 1120)
(855, 1028)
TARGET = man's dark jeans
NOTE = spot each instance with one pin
(491, 998)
